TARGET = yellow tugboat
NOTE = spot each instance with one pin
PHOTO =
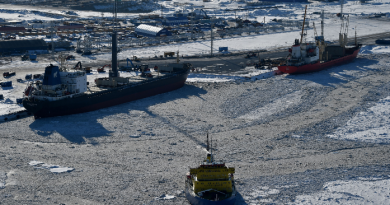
(212, 183)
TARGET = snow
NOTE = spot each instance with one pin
(258, 195)
(165, 197)
(371, 126)
(9, 105)
(375, 49)
(275, 106)
(362, 191)
(50, 167)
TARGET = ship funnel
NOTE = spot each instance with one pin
(208, 157)
(296, 42)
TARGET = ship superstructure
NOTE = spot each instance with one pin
(58, 84)
(211, 183)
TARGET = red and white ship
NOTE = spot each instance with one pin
(306, 58)
(311, 57)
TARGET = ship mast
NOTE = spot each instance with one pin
(207, 148)
(303, 26)
(114, 62)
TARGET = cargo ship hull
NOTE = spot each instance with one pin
(107, 98)
(318, 66)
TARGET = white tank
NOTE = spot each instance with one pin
(296, 51)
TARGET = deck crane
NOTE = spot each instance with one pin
(315, 32)
(303, 25)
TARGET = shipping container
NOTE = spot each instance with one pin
(6, 84)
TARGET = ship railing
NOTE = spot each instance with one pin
(205, 180)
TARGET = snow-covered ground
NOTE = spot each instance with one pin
(155, 118)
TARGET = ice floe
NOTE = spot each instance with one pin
(370, 126)
(50, 167)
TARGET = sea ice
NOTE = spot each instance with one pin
(350, 192)
(50, 167)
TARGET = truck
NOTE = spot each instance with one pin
(88, 69)
(8, 74)
(37, 76)
(101, 70)
(169, 54)
(33, 57)
(28, 76)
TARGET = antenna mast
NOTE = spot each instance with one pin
(211, 158)
(207, 148)
(303, 26)
(322, 23)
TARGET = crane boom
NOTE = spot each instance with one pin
(303, 26)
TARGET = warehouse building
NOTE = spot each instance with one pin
(11, 30)
(151, 31)
(173, 21)
(22, 46)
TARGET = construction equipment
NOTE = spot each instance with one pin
(101, 70)
(127, 67)
(78, 66)
(250, 55)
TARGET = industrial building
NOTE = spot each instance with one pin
(11, 46)
(151, 31)
(173, 21)
(12, 30)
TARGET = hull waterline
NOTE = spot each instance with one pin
(196, 200)
(104, 99)
(318, 66)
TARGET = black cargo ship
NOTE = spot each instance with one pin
(78, 103)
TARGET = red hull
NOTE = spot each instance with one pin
(319, 66)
